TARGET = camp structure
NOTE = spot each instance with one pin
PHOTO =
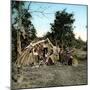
(27, 56)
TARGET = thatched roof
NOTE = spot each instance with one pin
(26, 57)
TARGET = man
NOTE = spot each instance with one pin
(45, 51)
(61, 55)
(69, 56)
(35, 53)
(49, 59)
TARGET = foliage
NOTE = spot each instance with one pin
(21, 18)
(62, 29)
(80, 44)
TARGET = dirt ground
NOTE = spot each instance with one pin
(52, 76)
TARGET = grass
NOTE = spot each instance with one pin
(55, 75)
(80, 55)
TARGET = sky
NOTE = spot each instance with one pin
(44, 13)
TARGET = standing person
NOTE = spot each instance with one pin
(45, 50)
(35, 53)
(45, 47)
(49, 59)
(69, 56)
(40, 51)
(58, 51)
(61, 55)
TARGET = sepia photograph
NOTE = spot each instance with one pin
(48, 44)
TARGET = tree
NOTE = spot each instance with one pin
(62, 29)
(33, 32)
(80, 44)
(21, 27)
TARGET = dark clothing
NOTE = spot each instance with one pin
(50, 62)
(45, 51)
(70, 61)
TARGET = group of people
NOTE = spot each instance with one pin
(42, 53)
(66, 56)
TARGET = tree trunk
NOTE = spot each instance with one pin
(18, 44)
